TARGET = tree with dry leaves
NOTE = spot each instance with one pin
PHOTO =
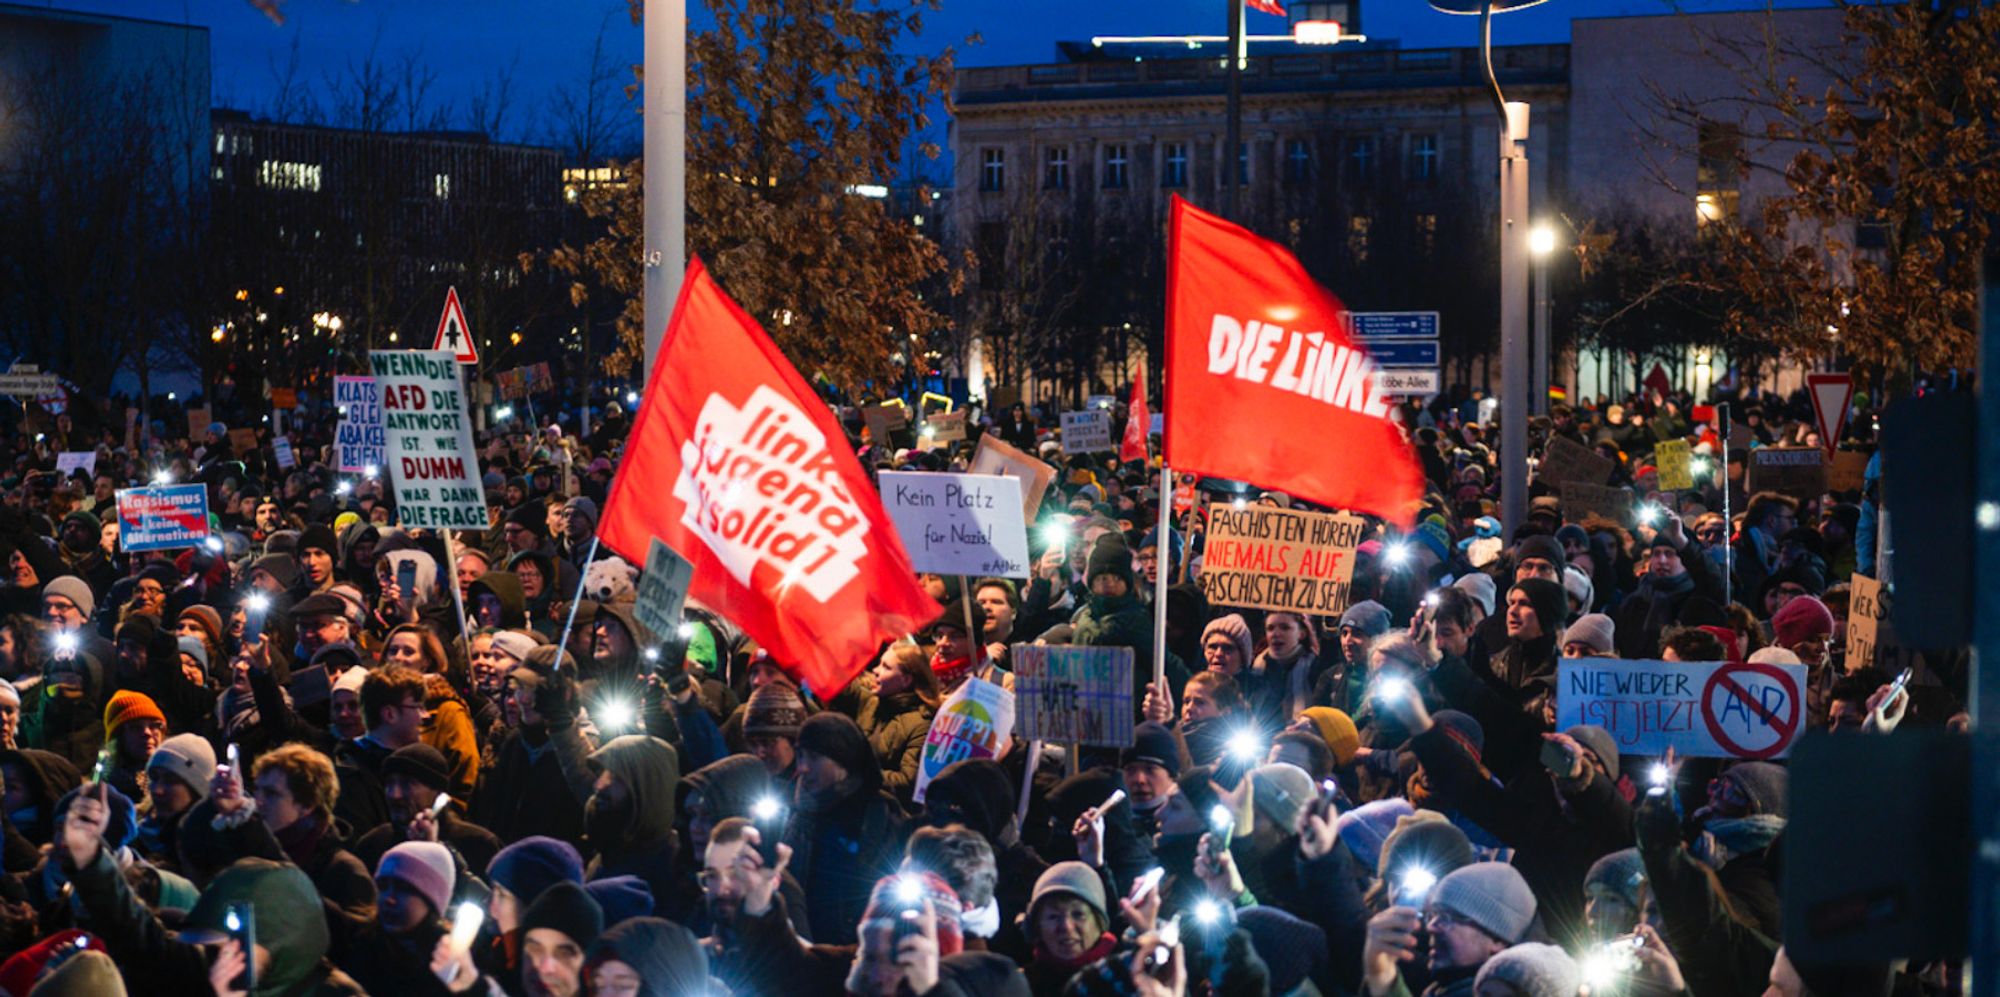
(791, 105)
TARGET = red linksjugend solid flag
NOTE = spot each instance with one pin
(1266, 385)
(1138, 421)
(735, 463)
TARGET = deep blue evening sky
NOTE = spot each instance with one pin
(550, 40)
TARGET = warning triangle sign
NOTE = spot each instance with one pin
(1831, 396)
(453, 334)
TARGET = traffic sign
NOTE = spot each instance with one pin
(1408, 381)
(1831, 395)
(1403, 352)
(1376, 325)
(453, 333)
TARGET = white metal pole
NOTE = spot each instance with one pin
(665, 151)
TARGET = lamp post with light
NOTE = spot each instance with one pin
(1542, 247)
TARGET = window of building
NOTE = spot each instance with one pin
(1720, 147)
(1357, 237)
(1427, 229)
(1174, 165)
(1424, 157)
(1116, 164)
(1242, 163)
(441, 186)
(1360, 159)
(992, 169)
(288, 176)
(1298, 161)
(1055, 168)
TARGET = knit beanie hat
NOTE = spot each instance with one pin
(1490, 895)
(1601, 743)
(75, 590)
(1337, 730)
(206, 618)
(1110, 556)
(9, 694)
(774, 710)
(1368, 616)
(530, 516)
(1282, 792)
(1237, 630)
(1431, 533)
(1775, 655)
(583, 505)
(1153, 743)
(424, 866)
(1577, 586)
(194, 648)
(514, 644)
(1544, 547)
(19, 973)
(141, 627)
(1366, 828)
(621, 897)
(1551, 604)
(1075, 879)
(1463, 728)
(893, 893)
(421, 762)
(319, 536)
(1425, 839)
(351, 680)
(1592, 630)
(126, 706)
(955, 613)
(533, 864)
(1620, 873)
(1533, 969)
(1478, 585)
(1802, 619)
(565, 907)
(188, 758)
(1764, 784)
(283, 568)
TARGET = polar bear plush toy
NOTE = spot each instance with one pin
(611, 579)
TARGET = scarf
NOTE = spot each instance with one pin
(1098, 951)
(1726, 838)
(1671, 586)
(951, 673)
(981, 922)
(301, 839)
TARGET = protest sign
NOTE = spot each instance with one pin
(1702, 709)
(281, 448)
(1865, 613)
(359, 437)
(996, 456)
(198, 422)
(945, 427)
(973, 723)
(521, 382)
(1265, 557)
(883, 420)
(428, 439)
(162, 517)
(69, 462)
(1088, 431)
(1564, 460)
(1675, 460)
(242, 441)
(1581, 500)
(1000, 399)
(286, 398)
(1081, 695)
(663, 590)
(1848, 472)
(1796, 471)
(958, 524)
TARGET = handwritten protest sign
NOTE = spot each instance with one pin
(1865, 613)
(242, 441)
(285, 398)
(945, 427)
(162, 517)
(521, 382)
(1796, 471)
(429, 440)
(281, 449)
(973, 723)
(359, 438)
(1265, 557)
(1076, 694)
(1848, 472)
(958, 524)
(996, 456)
(70, 461)
(1580, 501)
(198, 422)
(1675, 460)
(663, 589)
(1699, 709)
(883, 420)
(1564, 460)
(1088, 431)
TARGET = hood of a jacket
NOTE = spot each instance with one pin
(730, 786)
(649, 768)
(513, 603)
(977, 792)
(49, 776)
(669, 959)
(291, 921)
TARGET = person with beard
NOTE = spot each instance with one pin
(543, 776)
(66, 713)
(979, 794)
(1714, 877)
(1473, 914)
(412, 780)
(1680, 588)
(82, 554)
(177, 778)
(845, 831)
(629, 818)
(495, 600)
(392, 704)
(617, 681)
(732, 869)
(391, 952)
(288, 818)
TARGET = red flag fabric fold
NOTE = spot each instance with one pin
(735, 463)
(1138, 421)
(1265, 383)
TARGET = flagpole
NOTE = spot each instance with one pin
(575, 598)
(1163, 544)
(457, 597)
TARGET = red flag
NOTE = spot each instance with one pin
(1138, 422)
(1264, 382)
(1268, 6)
(736, 464)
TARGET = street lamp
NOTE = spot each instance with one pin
(1513, 129)
(1541, 246)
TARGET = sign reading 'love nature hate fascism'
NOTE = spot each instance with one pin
(1265, 557)
(958, 524)
(1699, 709)
(1073, 694)
(428, 440)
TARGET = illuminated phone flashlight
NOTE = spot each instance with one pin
(631, 398)
(66, 645)
(617, 715)
(1238, 504)
(1170, 936)
(1649, 513)
(1659, 775)
(1396, 554)
(443, 801)
(1392, 687)
(214, 544)
(1430, 600)
(1055, 534)
(1699, 465)
(1207, 912)
(652, 654)
(344, 488)
(1414, 884)
(372, 471)
(766, 808)
(257, 603)
(1221, 818)
(164, 477)
(465, 925)
(687, 631)
(231, 921)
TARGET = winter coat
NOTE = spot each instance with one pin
(1721, 951)
(475, 845)
(896, 727)
(210, 841)
(649, 770)
(358, 763)
(841, 846)
(536, 789)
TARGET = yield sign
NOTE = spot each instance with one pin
(1831, 394)
(453, 334)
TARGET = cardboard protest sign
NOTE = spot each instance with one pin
(198, 422)
(1088, 431)
(432, 462)
(1580, 501)
(70, 461)
(359, 439)
(1000, 399)
(663, 590)
(973, 723)
(1865, 614)
(281, 448)
(1564, 460)
(1699, 709)
(242, 441)
(162, 517)
(996, 456)
(1265, 557)
(1848, 472)
(521, 382)
(883, 420)
(1796, 471)
(1675, 461)
(945, 427)
(286, 398)
(958, 524)
(1081, 695)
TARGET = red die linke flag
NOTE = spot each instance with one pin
(1264, 382)
(1138, 422)
(737, 465)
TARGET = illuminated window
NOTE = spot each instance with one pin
(441, 186)
(1357, 237)
(288, 176)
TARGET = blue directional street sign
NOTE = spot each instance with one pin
(1408, 325)
(1403, 352)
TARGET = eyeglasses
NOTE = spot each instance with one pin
(1442, 920)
